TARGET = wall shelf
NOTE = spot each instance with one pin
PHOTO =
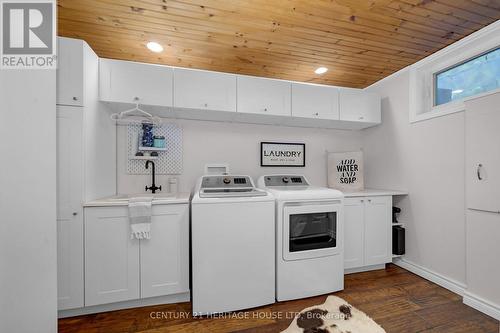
(398, 224)
(397, 255)
(141, 148)
(143, 157)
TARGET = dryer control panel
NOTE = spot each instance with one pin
(285, 180)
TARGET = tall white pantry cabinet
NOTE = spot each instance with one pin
(86, 161)
(482, 155)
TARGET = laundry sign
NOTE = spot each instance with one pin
(282, 154)
(345, 171)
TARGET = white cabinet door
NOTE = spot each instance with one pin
(111, 257)
(69, 207)
(378, 232)
(123, 81)
(354, 232)
(482, 153)
(70, 71)
(359, 105)
(264, 96)
(197, 89)
(315, 101)
(165, 257)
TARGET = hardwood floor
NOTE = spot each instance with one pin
(395, 298)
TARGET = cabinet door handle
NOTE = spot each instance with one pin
(478, 170)
(316, 114)
(75, 213)
(205, 105)
(265, 109)
(369, 200)
(362, 200)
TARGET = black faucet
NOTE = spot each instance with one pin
(153, 186)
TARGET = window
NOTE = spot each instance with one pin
(478, 75)
(441, 83)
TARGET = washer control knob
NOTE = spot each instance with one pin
(286, 180)
(226, 180)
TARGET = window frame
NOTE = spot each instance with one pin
(435, 75)
(423, 73)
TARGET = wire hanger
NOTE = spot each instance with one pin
(133, 117)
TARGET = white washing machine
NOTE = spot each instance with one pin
(232, 245)
(309, 237)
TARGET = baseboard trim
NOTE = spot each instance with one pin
(452, 285)
(136, 303)
(482, 305)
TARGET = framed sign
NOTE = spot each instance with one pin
(345, 171)
(277, 154)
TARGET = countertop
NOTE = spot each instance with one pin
(371, 192)
(122, 199)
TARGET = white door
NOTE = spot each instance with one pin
(359, 105)
(69, 207)
(378, 232)
(70, 71)
(165, 257)
(123, 81)
(354, 235)
(198, 89)
(482, 138)
(312, 230)
(111, 257)
(315, 101)
(264, 96)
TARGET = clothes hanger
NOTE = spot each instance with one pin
(119, 116)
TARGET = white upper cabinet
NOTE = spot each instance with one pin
(359, 105)
(315, 101)
(198, 89)
(70, 69)
(124, 81)
(482, 156)
(264, 96)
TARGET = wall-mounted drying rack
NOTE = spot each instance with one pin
(135, 116)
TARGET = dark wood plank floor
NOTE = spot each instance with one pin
(395, 298)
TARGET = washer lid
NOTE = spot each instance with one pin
(304, 193)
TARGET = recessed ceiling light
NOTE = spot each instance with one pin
(321, 70)
(154, 46)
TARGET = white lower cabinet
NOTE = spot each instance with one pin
(118, 268)
(165, 257)
(367, 239)
(111, 257)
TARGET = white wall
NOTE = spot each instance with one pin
(239, 146)
(427, 159)
(28, 259)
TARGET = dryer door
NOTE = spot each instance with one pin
(312, 230)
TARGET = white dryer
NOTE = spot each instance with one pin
(232, 245)
(309, 237)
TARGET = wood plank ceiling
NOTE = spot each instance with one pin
(359, 41)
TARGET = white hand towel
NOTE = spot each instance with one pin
(139, 211)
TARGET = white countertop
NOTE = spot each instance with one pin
(367, 192)
(122, 199)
